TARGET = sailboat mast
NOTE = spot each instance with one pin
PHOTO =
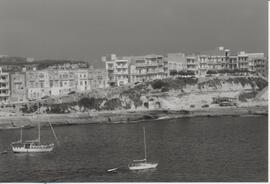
(38, 132)
(144, 140)
(38, 124)
(21, 135)
(54, 134)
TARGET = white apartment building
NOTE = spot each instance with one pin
(253, 60)
(4, 87)
(121, 71)
(243, 60)
(146, 68)
(177, 62)
(192, 63)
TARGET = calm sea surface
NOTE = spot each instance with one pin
(192, 149)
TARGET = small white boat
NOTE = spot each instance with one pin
(112, 170)
(142, 164)
(163, 117)
(32, 145)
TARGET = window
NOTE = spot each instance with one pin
(51, 83)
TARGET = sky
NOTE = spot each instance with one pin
(89, 29)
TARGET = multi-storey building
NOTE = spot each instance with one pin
(232, 63)
(202, 64)
(222, 59)
(243, 61)
(98, 78)
(37, 84)
(121, 71)
(4, 87)
(18, 87)
(82, 80)
(177, 62)
(110, 68)
(146, 68)
(258, 63)
(214, 59)
(61, 81)
(192, 63)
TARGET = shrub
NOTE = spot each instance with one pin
(90, 103)
(112, 104)
(134, 94)
(243, 97)
(158, 84)
(173, 72)
(185, 73)
(211, 72)
(165, 89)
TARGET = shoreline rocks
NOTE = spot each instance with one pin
(113, 117)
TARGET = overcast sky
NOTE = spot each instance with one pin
(88, 29)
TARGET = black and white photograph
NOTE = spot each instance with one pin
(133, 91)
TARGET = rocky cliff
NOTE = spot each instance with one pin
(171, 93)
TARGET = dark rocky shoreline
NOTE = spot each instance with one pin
(113, 117)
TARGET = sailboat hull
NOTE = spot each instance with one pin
(33, 148)
(143, 166)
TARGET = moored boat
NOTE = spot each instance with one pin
(32, 145)
(142, 164)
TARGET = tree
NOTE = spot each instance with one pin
(90, 103)
(173, 72)
(190, 72)
(181, 72)
(211, 72)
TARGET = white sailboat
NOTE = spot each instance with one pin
(32, 145)
(142, 164)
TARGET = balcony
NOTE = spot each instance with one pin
(140, 65)
(110, 68)
(4, 94)
(4, 80)
(121, 73)
(152, 64)
(191, 64)
(4, 87)
(121, 66)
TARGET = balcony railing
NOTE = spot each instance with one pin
(121, 66)
(4, 80)
(4, 87)
(4, 94)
